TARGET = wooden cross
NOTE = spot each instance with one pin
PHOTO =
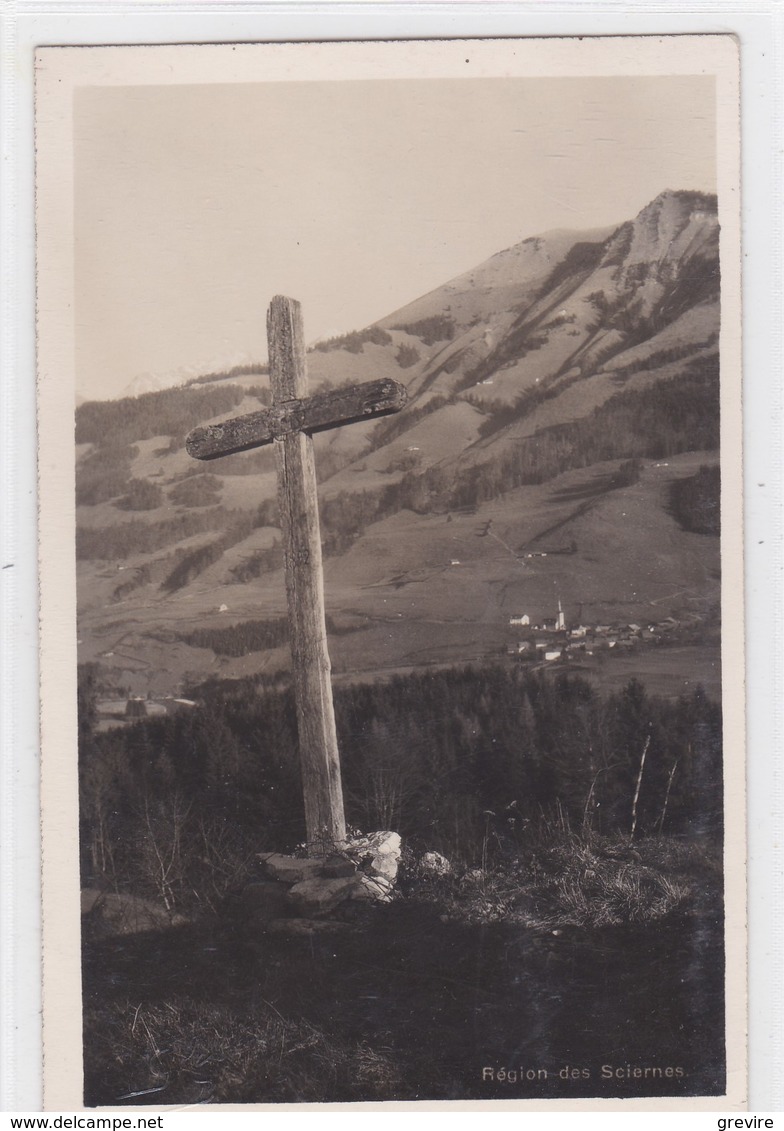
(288, 424)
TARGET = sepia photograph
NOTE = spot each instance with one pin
(391, 571)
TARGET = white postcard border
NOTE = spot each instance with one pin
(763, 459)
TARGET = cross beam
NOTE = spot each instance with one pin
(311, 414)
(288, 424)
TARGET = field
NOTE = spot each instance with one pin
(417, 590)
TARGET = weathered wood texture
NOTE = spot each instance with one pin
(289, 423)
(318, 744)
(310, 414)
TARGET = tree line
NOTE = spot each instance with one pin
(675, 415)
(245, 637)
(696, 501)
(437, 328)
(667, 417)
(165, 412)
(355, 340)
(472, 762)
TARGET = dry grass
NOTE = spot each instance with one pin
(205, 1053)
(408, 1001)
(575, 881)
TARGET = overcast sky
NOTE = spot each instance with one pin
(194, 205)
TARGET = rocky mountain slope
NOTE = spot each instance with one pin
(556, 393)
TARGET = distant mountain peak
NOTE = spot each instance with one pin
(681, 199)
(149, 383)
(544, 385)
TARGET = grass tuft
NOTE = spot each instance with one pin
(575, 881)
(207, 1053)
(412, 995)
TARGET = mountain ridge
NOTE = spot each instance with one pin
(546, 361)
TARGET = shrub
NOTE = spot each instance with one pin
(142, 495)
(197, 491)
(407, 356)
(696, 501)
(104, 474)
(628, 473)
(139, 577)
(192, 564)
(259, 562)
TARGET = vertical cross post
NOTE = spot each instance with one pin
(288, 424)
(319, 758)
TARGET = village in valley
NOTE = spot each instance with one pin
(551, 641)
(125, 710)
(556, 640)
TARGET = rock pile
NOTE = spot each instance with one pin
(296, 894)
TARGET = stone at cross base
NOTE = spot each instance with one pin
(297, 890)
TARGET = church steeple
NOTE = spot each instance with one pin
(560, 624)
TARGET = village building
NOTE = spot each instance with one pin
(136, 708)
(118, 712)
(551, 640)
(520, 648)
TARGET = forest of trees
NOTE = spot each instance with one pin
(257, 563)
(250, 369)
(438, 328)
(141, 495)
(196, 491)
(125, 539)
(439, 756)
(696, 501)
(388, 427)
(245, 637)
(237, 525)
(240, 639)
(104, 474)
(662, 357)
(167, 412)
(665, 418)
(355, 341)
(502, 413)
(676, 415)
